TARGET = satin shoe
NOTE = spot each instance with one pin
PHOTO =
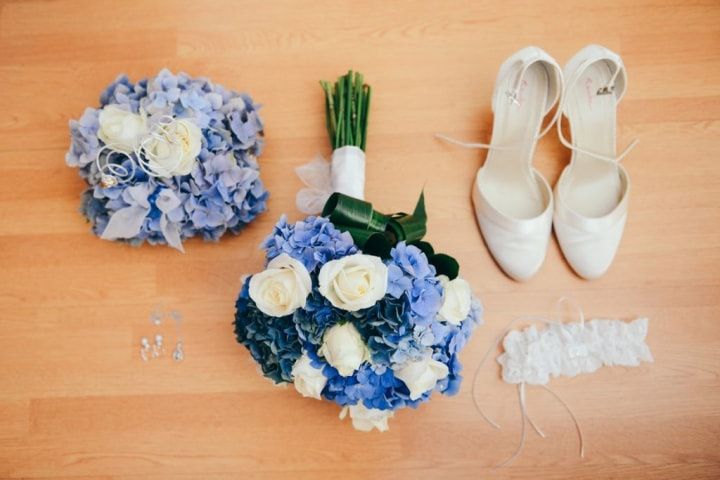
(592, 194)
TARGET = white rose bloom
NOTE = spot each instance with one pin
(344, 348)
(282, 287)
(365, 419)
(173, 149)
(354, 282)
(457, 298)
(120, 129)
(308, 380)
(421, 376)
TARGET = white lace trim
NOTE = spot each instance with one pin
(532, 356)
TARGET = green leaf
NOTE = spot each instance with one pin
(425, 247)
(379, 245)
(445, 265)
(376, 233)
(372, 229)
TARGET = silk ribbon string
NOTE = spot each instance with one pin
(494, 345)
(521, 386)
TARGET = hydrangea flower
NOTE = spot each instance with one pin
(314, 241)
(272, 341)
(223, 192)
(402, 327)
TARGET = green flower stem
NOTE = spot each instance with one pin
(347, 104)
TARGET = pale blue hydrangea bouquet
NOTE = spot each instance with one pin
(353, 306)
(167, 158)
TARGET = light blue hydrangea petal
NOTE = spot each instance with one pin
(125, 223)
(171, 232)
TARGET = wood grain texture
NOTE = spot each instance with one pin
(76, 401)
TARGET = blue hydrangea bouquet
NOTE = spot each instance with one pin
(353, 306)
(168, 158)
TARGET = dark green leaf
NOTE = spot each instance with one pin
(445, 265)
(425, 247)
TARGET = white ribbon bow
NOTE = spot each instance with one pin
(127, 222)
(344, 174)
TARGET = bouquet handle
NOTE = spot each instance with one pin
(347, 172)
(347, 106)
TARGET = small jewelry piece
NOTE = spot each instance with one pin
(158, 349)
(144, 348)
(606, 90)
(156, 317)
(107, 181)
(109, 161)
(178, 354)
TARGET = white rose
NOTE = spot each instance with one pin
(344, 349)
(308, 380)
(282, 288)
(173, 148)
(421, 376)
(457, 298)
(354, 282)
(365, 419)
(120, 129)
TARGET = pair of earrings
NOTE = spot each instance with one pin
(148, 351)
(157, 349)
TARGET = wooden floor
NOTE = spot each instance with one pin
(77, 402)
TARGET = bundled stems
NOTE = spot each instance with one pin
(347, 105)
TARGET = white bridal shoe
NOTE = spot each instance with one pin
(591, 196)
(513, 202)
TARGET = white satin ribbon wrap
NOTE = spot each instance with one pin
(127, 222)
(344, 174)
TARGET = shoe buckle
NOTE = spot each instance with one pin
(606, 90)
(513, 96)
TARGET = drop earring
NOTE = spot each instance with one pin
(144, 349)
(178, 354)
(158, 350)
(156, 317)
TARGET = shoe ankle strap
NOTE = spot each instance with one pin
(608, 89)
(488, 146)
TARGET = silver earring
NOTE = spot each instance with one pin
(158, 349)
(156, 317)
(178, 354)
(144, 349)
